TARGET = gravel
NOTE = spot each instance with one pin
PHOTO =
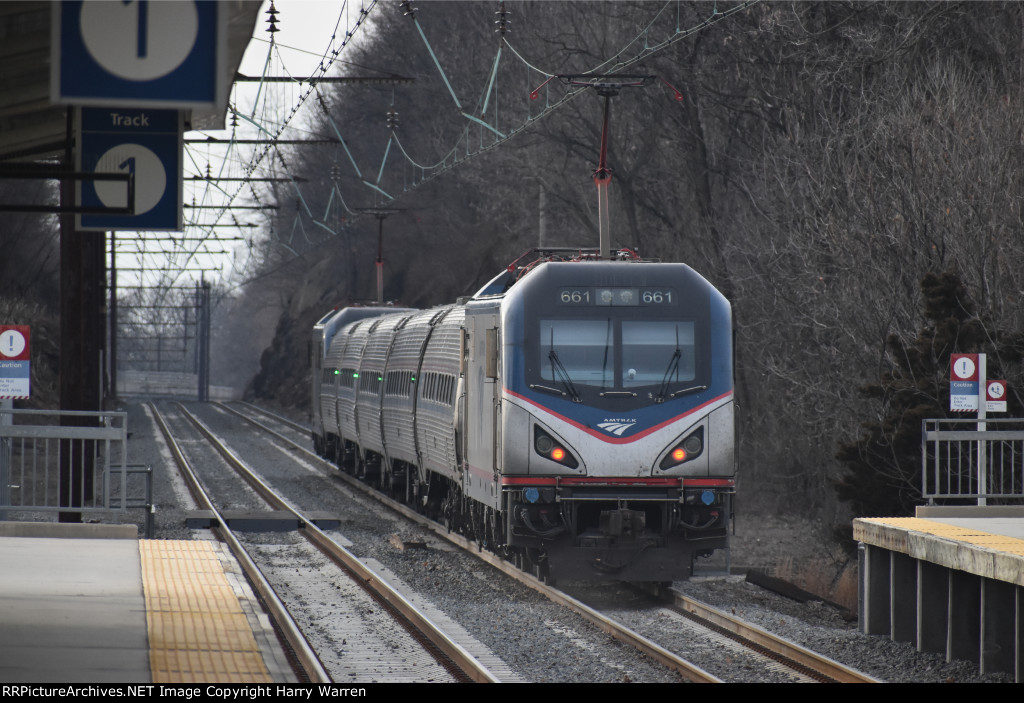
(793, 546)
(542, 642)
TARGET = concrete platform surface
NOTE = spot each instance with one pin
(990, 546)
(71, 605)
(82, 603)
(949, 581)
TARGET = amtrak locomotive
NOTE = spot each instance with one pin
(577, 415)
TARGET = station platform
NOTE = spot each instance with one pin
(950, 581)
(88, 603)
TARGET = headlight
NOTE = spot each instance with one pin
(691, 447)
(546, 445)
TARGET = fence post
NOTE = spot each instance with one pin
(982, 442)
(5, 459)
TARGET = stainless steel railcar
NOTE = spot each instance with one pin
(578, 415)
(323, 334)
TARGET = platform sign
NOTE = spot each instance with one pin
(995, 396)
(14, 362)
(139, 53)
(146, 143)
(963, 383)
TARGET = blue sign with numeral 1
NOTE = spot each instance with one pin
(144, 143)
(138, 53)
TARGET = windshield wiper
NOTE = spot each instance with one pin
(563, 376)
(607, 346)
(684, 391)
(673, 366)
(546, 389)
(673, 369)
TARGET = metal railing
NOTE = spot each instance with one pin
(973, 459)
(69, 461)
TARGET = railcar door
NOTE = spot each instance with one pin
(483, 405)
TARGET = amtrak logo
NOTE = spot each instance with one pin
(616, 426)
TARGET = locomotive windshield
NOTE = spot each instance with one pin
(615, 353)
(612, 336)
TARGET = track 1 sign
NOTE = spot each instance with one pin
(139, 53)
(14, 362)
(145, 143)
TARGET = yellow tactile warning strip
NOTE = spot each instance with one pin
(198, 632)
(1001, 543)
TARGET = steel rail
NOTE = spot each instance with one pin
(812, 661)
(688, 670)
(307, 658)
(834, 671)
(299, 427)
(471, 667)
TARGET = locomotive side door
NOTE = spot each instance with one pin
(482, 405)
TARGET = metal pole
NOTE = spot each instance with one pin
(380, 259)
(542, 216)
(82, 326)
(113, 315)
(5, 458)
(201, 339)
(196, 299)
(602, 177)
(982, 441)
(207, 314)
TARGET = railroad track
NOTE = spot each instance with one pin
(792, 655)
(780, 659)
(448, 653)
(686, 618)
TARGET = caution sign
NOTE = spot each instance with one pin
(14, 362)
(963, 383)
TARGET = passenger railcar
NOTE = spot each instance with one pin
(577, 415)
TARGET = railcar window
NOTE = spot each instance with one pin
(398, 383)
(348, 378)
(369, 382)
(438, 387)
(648, 352)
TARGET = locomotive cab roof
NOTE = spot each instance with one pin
(500, 284)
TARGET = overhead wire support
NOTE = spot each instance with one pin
(502, 29)
(644, 45)
(490, 82)
(327, 61)
(392, 79)
(294, 180)
(377, 188)
(232, 207)
(334, 126)
(410, 12)
(275, 142)
(249, 179)
(383, 161)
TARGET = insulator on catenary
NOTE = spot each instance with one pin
(272, 22)
(503, 21)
